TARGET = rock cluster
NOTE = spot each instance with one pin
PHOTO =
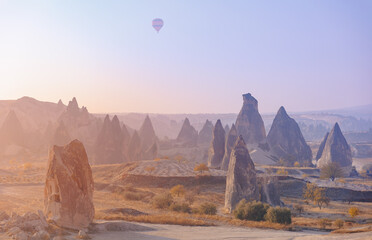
(109, 144)
(336, 149)
(249, 122)
(68, 194)
(188, 136)
(321, 147)
(149, 148)
(217, 148)
(286, 140)
(30, 226)
(206, 133)
(241, 181)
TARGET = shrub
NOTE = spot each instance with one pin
(254, 211)
(133, 196)
(332, 171)
(163, 201)
(296, 164)
(180, 207)
(208, 208)
(177, 190)
(282, 171)
(324, 222)
(339, 223)
(305, 175)
(200, 168)
(149, 169)
(190, 198)
(279, 215)
(299, 209)
(27, 166)
(353, 211)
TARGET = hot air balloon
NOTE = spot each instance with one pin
(157, 23)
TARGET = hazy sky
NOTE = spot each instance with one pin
(305, 55)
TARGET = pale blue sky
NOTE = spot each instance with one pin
(305, 55)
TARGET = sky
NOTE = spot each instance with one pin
(304, 55)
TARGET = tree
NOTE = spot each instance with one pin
(299, 209)
(353, 211)
(332, 171)
(309, 191)
(177, 190)
(316, 194)
(200, 168)
(320, 197)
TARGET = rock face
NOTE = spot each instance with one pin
(109, 143)
(68, 194)
(147, 134)
(286, 140)
(249, 122)
(217, 148)
(188, 136)
(321, 147)
(336, 149)
(206, 133)
(241, 181)
(11, 131)
(230, 142)
(269, 191)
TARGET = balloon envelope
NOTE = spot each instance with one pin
(157, 23)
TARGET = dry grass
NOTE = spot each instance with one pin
(173, 219)
(358, 230)
(223, 220)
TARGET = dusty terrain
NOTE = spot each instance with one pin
(22, 190)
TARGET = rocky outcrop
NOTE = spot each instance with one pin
(151, 153)
(29, 226)
(269, 191)
(109, 143)
(230, 142)
(134, 151)
(126, 140)
(12, 131)
(68, 194)
(147, 134)
(286, 140)
(74, 117)
(321, 147)
(227, 129)
(188, 136)
(61, 136)
(206, 133)
(337, 150)
(249, 122)
(217, 148)
(241, 181)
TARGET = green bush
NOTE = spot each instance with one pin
(180, 207)
(279, 215)
(208, 208)
(163, 201)
(254, 211)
